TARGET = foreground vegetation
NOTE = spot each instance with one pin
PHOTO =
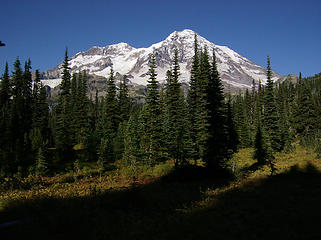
(163, 203)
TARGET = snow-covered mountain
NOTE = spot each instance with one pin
(235, 71)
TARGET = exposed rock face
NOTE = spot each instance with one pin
(236, 71)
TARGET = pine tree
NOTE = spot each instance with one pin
(82, 109)
(262, 149)
(63, 129)
(192, 97)
(41, 164)
(152, 111)
(271, 118)
(175, 115)
(202, 114)
(109, 121)
(5, 93)
(39, 133)
(17, 125)
(27, 96)
(124, 100)
(232, 136)
(217, 143)
(5, 127)
(132, 154)
(65, 79)
(304, 119)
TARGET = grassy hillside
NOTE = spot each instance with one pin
(161, 203)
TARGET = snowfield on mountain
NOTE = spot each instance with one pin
(235, 70)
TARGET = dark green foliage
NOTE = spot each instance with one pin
(217, 143)
(65, 79)
(192, 98)
(124, 100)
(37, 135)
(241, 121)
(63, 125)
(5, 92)
(132, 153)
(271, 116)
(119, 140)
(232, 136)
(152, 112)
(202, 114)
(41, 164)
(176, 121)
(5, 121)
(109, 121)
(263, 152)
(40, 110)
(305, 114)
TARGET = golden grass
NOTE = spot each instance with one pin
(155, 204)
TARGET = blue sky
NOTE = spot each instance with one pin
(288, 30)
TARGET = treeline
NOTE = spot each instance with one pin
(275, 117)
(24, 116)
(204, 125)
(37, 137)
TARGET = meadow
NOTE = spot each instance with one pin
(164, 203)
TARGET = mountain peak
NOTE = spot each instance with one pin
(235, 71)
(186, 33)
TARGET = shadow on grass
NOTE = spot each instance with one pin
(252, 168)
(285, 206)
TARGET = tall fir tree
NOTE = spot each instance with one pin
(202, 114)
(5, 120)
(271, 117)
(63, 125)
(262, 148)
(40, 115)
(217, 143)
(124, 100)
(192, 97)
(5, 89)
(152, 113)
(17, 124)
(109, 122)
(132, 151)
(232, 136)
(176, 119)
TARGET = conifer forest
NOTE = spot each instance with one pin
(110, 167)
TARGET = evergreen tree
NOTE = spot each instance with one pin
(202, 114)
(192, 97)
(65, 79)
(262, 149)
(27, 96)
(17, 124)
(5, 120)
(271, 117)
(82, 110)
(232, 136)
(304, 114)
(132, 154)
(175, 115)
(63, 129)
(152, 111)
(5, 93)
(39, 132)
(41, 164)
(217, 143)
(109, 121)
(124, 100)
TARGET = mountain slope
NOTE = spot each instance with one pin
(235, 71)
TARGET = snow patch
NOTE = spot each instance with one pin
(52, 83)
